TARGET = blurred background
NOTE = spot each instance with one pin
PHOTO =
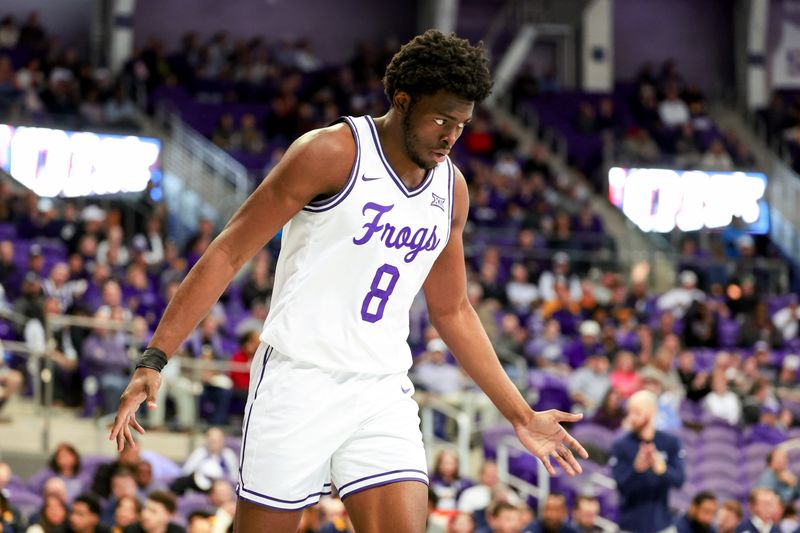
(633, 225)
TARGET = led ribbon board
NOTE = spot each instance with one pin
(660, 200)
(63, 163)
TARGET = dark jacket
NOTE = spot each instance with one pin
(643, 497)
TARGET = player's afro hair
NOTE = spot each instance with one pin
(434, 61)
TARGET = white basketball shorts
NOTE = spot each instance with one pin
(306, 428)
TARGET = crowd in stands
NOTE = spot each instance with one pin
(45, 83)
(659, 119)
(718, 349)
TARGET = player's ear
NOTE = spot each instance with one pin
(402, 101)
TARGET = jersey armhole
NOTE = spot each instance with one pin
(451, 186)
(336, 199)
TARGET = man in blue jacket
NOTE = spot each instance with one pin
(646, 463)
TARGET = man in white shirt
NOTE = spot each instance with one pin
(478, 497)
(672, 110)
(787, 318)
(679, 299)
(721, 402)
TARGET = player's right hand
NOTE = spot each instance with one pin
(143, 386)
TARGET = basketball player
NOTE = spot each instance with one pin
(372, 210)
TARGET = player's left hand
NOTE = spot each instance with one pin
(545, 438)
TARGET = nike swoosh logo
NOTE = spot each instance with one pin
(365, 178)
(405, 391)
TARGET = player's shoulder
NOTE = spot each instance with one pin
(322, 152)
(334, 139)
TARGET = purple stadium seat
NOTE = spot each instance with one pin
(27, 502)
(192, 501)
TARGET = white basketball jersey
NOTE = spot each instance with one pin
(350, 265)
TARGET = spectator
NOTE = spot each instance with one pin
(588, 344)
(787, 318)
(461, 523)
(65, 463)
(680, 299)
(435, 374)
(779, 478)
(214, 460)
(199, 522)
(206, 344)
(521, 293)
(645, 463)
(145, 483)
(9, 33)
(546, 350)
(248, 344)
(589, 384)
(335, 514)
(721, 402)
(762, 503)
(477, 498)
(120, 111)
(700, 516)
(446, 481)
(106, 358)
(157, 515)
(586, 511)
(503, 518)
(673, 111)
(611, 413)
(128, 459)
(624, 377)
(222, 498)
(123, 485)
(11, 519)
(84, 517)
(729, 516)
(52, 517)
(11, 382)
(250, 138)
(554, 517)
(126, 513)
(258, 286)
(696, 384)
(717, 158)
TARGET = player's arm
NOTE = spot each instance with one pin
(317, 164)
(460, 328)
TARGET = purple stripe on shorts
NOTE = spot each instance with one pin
(380, 484)
(380, 475)
(399, 182)
(267, 355)
(301, 500)
(262, 504)
(330, 203)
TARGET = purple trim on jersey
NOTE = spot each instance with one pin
(333, 201)
(451, 188)
(409, 193)
(380, 484)
(267, 355)
(380, 475)
(241, 489)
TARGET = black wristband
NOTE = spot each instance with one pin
(152, 358)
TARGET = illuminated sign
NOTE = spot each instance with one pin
(660, 200)
(77, 163)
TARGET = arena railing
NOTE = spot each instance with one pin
(509, 446)
(431, 406)
(198, 165)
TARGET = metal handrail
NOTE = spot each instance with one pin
(428, 407)
(509, 445)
